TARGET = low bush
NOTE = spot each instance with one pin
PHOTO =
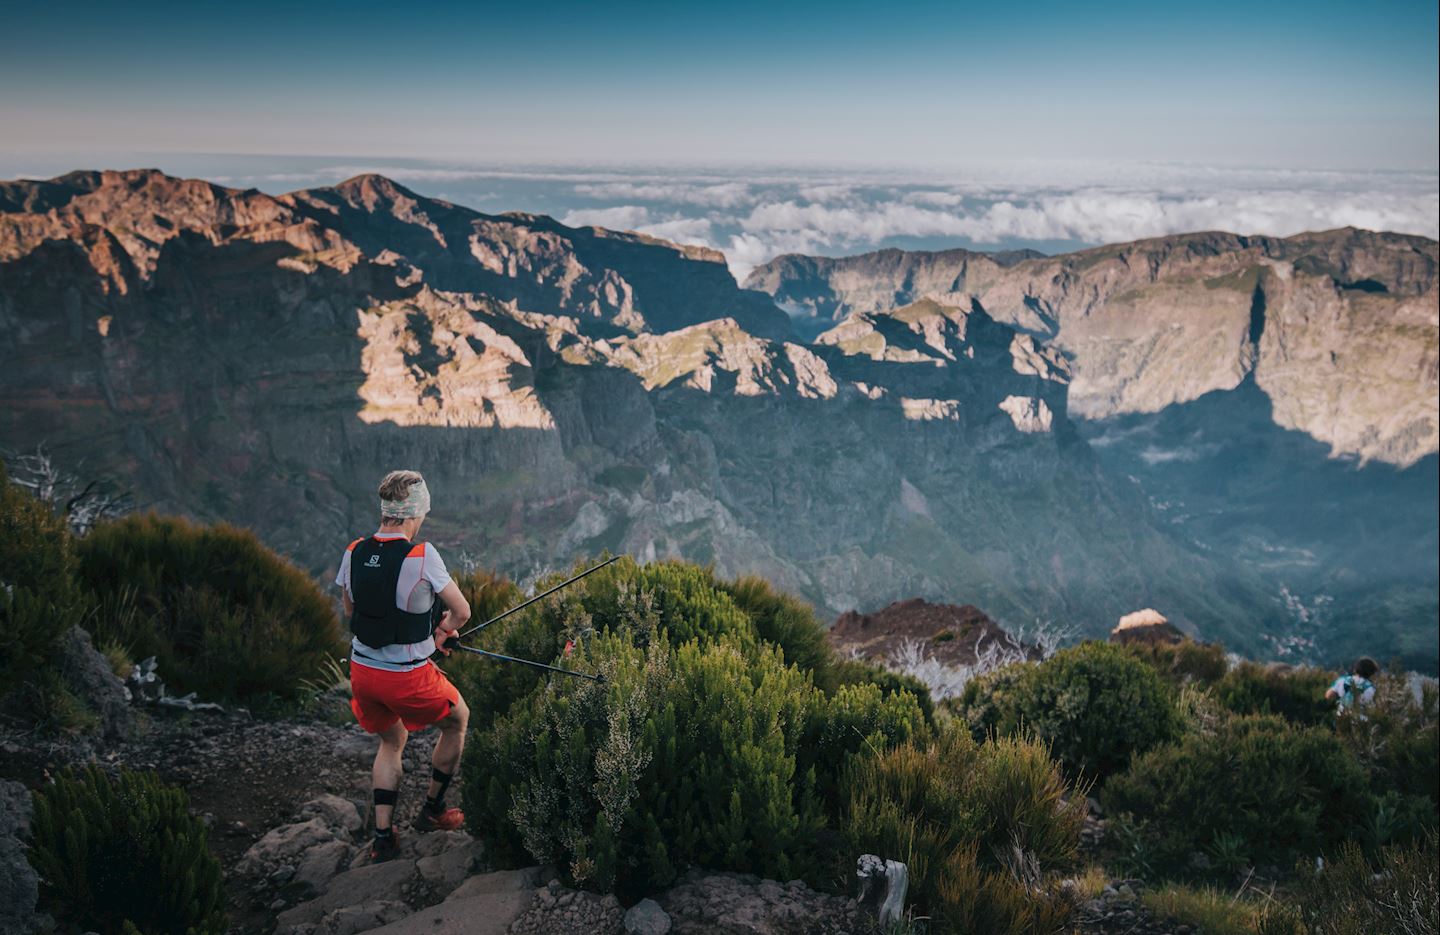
(1296, 694)
(1257, 791)
(979, 826)
(1184, 663)
(1396, 893)
(703, 754)
(1396, 739)
(860, 672)
(1095, 705)
(124, 855)
(787, 622)
(37, 590)
(225, 616)
(1205, 909)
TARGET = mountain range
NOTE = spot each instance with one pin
(1239, 431)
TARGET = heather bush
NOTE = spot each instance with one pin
(37, 591)
(1258, 791)
(1095, 705)
(1397, 892)
(979, 826)
(124, 855)
(1296, 694)
(680, 600)
(1396, 739)
(859, 672)
(699, 754)
(225, 616)
(787, 622)
(1184, 663)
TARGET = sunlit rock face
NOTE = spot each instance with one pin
(232, 355)
(1338, 328)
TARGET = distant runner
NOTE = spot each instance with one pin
(390, 584)
(1356, 688)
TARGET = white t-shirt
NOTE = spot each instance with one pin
(1353, 689)
(422, 576)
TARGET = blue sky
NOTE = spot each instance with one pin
(1288, 84)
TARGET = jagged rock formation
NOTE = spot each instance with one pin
(1275, 398)
(1338, 328)
(233, 355)
(954, 636)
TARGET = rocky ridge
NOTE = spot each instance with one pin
(1338, 328)
(231, 355)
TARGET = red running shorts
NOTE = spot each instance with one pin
(419, 697)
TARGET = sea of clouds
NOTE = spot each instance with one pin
(756, 214)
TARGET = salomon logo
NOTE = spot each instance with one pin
(374, 560)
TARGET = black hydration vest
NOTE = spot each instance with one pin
(374, 572)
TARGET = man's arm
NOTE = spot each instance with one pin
(349, 604)
(457, 614)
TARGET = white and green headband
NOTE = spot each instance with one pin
(415, 505)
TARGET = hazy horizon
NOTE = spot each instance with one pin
(754, 213)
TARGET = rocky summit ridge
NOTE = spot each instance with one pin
(1337, 328)
(234, 355)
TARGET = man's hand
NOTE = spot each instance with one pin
(443, 632)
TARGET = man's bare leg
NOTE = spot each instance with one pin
(388, 770)
(446, 758)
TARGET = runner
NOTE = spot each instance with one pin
(391, 583)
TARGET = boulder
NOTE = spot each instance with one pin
(370, 883)
(284, 845)
(88, 675)
(448, 869)
(1146, 626)
(646, 918)
(501, 881)
(484, 914)
(334, 811)
(365, 917)
(19, 884)
(743, 904)
(320, 864)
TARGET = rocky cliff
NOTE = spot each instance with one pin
(233, 355)
(1276, 398)
(1337, 328)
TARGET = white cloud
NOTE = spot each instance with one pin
(681, 230)
(620, 217)
(722, 195)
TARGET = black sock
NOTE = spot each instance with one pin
(436, 803)
(382, 834)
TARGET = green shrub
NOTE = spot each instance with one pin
(1095, 705)
(1397, 892)
(225, 616)
(979, 825)
(1257, 791)
(37, 591)
(860, 672)
(708, 753)
(1396, 740)
(677, 599)
(1183, 663)
(124, 855)
(1296, 694)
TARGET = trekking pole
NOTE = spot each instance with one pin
(454, 640)
(529, 662)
